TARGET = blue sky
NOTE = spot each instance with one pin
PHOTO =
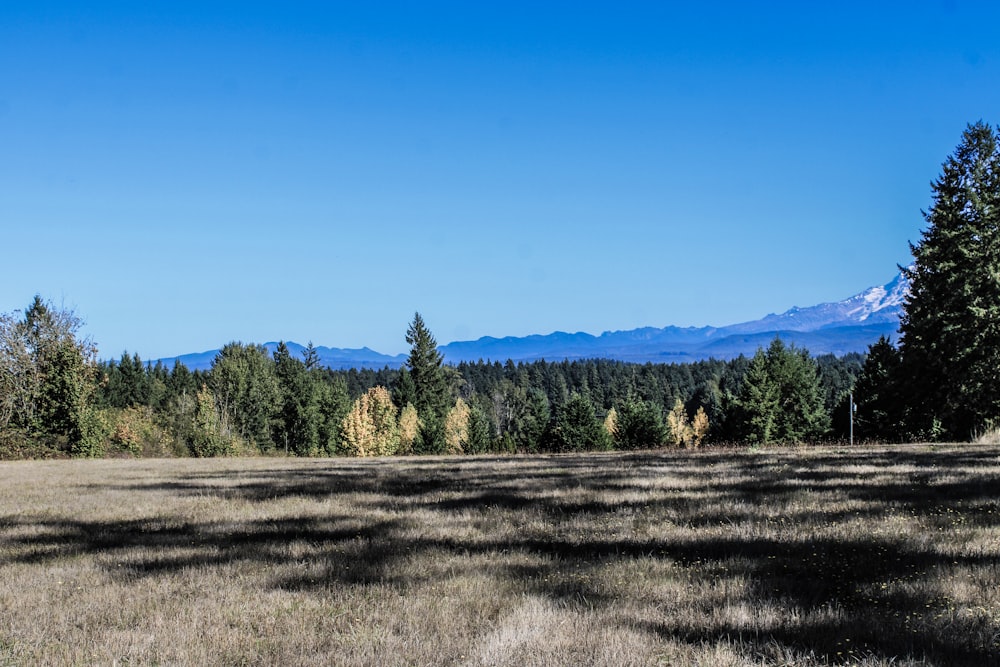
(186, 174)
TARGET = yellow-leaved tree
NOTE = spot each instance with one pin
(456, 428)
(371, 427)
(699, 427)
(677, 422)
(611, 424)
(409, 429)
(683, 432)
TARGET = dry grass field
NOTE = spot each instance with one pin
(811, 556)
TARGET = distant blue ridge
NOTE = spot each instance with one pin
(836, 328)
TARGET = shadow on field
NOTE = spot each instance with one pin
(808, 574)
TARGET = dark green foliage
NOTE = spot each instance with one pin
(181, 381)
(480, 429)
(640, 425)
(837, 375)
(432, 396)
(47, 377)
(575, 427)
(836, 378)
(334, 403)
(360, 380)
(246, 391)
(781, 399)
(430, 437)
(403, 390)
(951, 326)
(125, 383)
(310, 357)
(520, 416)
(297, 425)
(879, 396)
(269, 404)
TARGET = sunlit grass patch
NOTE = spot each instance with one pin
(806, 556)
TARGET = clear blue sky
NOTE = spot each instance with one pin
(184, 174)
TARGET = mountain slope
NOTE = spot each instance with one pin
(331, 357)
(837, 328)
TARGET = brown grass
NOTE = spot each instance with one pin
(808, 557)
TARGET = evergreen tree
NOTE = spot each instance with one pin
(781, 399)
(125, 383)
(310, 357)
(534, 420)
(755, 409)
(576, 427)
(244, 384)
(480, 429)
(334, 404)
(297, 426)
(640, 425)
(181, 381)
(951, 324)
(877, 394)
(47, 376)
(431, 393)
(403, 390)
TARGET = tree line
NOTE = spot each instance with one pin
(253, 402)
(941, 382)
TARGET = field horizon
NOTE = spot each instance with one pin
(807, 555)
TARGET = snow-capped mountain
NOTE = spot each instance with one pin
(876, 305)
(880, 302)
(837, 328)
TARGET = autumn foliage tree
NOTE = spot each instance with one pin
(456, 428)
(409, 428)
(371, 427)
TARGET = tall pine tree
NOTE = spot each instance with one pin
(781, 398)
(431, 393)
(951, 325)
(878, 396)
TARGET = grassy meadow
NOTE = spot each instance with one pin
(807, 556)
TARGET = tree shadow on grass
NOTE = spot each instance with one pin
(807, 574)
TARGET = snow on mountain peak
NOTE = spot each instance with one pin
(875, 299)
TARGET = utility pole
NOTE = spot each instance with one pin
(851, 407)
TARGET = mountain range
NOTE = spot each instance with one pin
(836, 328)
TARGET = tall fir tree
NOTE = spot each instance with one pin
(878, 395)
(297, 424)
(781, 399)
(575, 427)
(640, 425)
(951, 325)
(431, 393)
